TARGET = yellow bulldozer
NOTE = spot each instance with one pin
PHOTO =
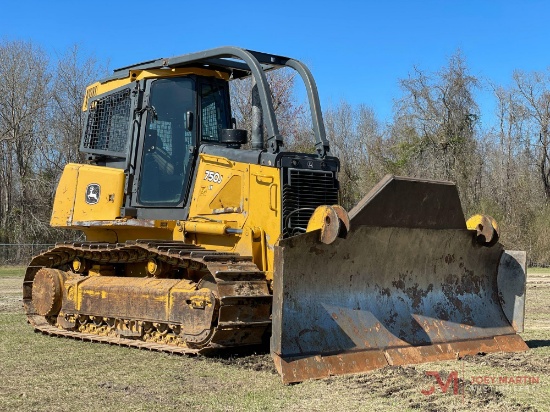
(195, 243)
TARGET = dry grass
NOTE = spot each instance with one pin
(43, 373)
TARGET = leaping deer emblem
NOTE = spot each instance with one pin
(92, 194)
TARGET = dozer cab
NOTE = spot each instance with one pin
(194, 243)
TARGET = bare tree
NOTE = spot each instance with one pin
(355, 137)
(73, 73)
(24, 93)
(502, 170)
(40, 128)
(288, 112)
(437, 119)
(534, 91)
(340, 123)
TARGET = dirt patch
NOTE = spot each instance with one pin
(258, 360)
(408, 384)
(9, 304)
(116, 387)
(11, 300)
(513, 362)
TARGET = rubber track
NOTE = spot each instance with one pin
(239, 269)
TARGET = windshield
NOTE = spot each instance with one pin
(166, 159)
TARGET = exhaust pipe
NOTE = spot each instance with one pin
(257, 135)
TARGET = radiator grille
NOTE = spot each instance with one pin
(108, 123)
(303, 191)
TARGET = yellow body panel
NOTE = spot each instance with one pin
(111, 195)
(65, 194)
(239, 196)
(70, 205)
(220, 184)
(100, 221)
(265, 214)
(230, 195)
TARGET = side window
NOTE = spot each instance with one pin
(165, 164)
(214, 114)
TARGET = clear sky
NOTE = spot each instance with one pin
(357, 50)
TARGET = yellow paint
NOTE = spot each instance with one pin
(317, 220)
(264, 208)
(77, 265)
(473, 222)
(211, 193)
(152, 266)
(65, 195)
(251, 193)
(230, 196)
(100, 221)
(244, 197)
(70, 204)
(99, 88)
(206, 228)
(111, 194)
(93, 293)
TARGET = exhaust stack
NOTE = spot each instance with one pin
(257, 132)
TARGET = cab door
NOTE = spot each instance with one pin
(166, 148)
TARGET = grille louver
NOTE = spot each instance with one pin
(303, 192)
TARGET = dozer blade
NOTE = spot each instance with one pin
(409, 284)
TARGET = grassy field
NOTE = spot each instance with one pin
(44, 373)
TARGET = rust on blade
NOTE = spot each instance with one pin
(475, 347)
(511, 343)
(419, 354)
(409, 283)
(317, 366)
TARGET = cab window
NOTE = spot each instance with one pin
(166, 159)
(214, 111)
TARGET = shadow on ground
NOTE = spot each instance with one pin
(256, 358)
(538, 343)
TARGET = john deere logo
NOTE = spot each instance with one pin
(92, 193)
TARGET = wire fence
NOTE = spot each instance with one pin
(21, 253)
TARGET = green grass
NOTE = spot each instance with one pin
(12, 271)
(58, 374)
(538, 271)
(41, 373)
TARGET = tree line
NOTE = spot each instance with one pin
(501, 166)
(500, 161)
(40, 127)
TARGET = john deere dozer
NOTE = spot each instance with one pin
(194, 243)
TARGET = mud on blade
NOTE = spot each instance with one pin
(412, 293)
